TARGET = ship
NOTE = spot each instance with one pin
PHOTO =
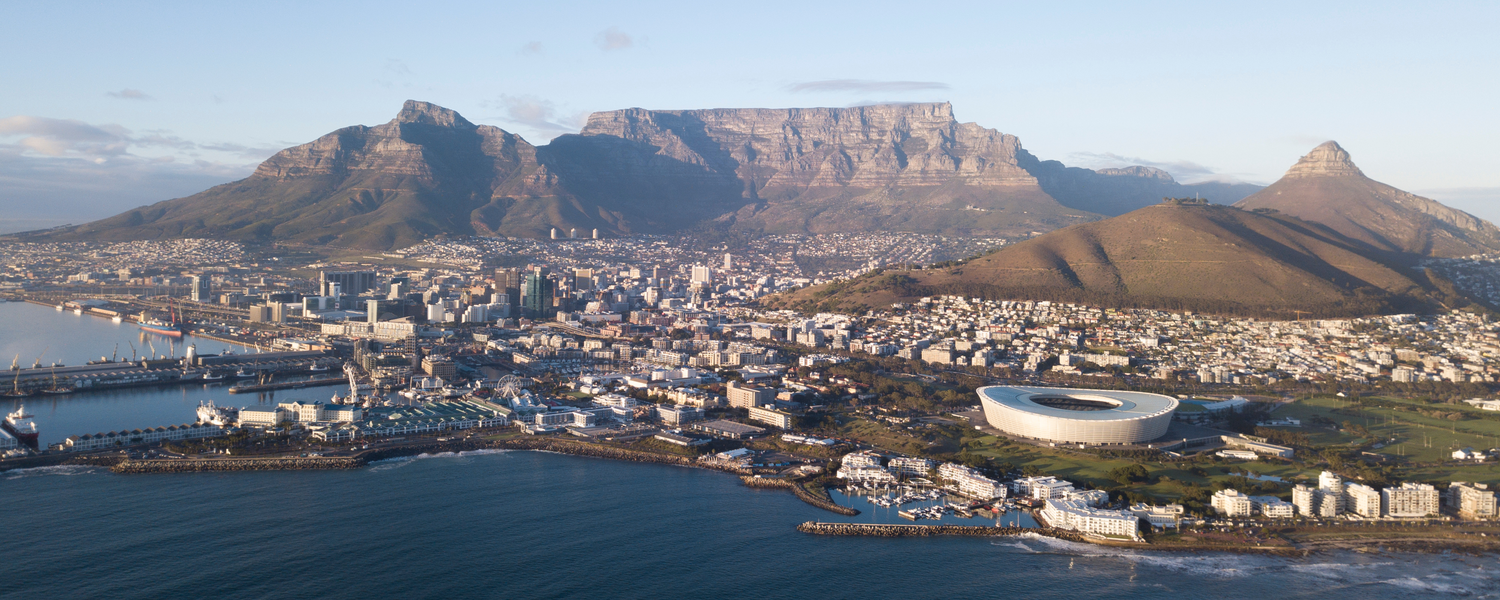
(19, 424)
(160, 327)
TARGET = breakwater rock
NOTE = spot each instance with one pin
(822, 500)
(896, 530)
(767, 482)
(202, 465)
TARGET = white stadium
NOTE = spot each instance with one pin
(1077, 416)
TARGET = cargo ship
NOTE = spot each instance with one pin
(19, 424)
(159, 327)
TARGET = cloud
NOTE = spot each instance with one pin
(1482, 202)
(63, 137)
(865, 86)
(613, 39)
(1183, 171)
(129, 94)
(538, 114)
(532, 48)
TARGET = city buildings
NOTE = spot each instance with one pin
(1472, 500)
(1410, 500)
(1080, 517)
(1232, 503)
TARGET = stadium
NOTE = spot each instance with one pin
(1077, 416)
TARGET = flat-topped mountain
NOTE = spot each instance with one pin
(1179, 255)
(1326, 187)
(429, 172)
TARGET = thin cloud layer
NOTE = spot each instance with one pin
(865, 86)
(613, 39)
(129, 94)
(537, 114)
(1181, 170)
(532, 48)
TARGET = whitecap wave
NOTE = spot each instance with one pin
(66, 470)
(393, 463)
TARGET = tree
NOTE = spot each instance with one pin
(1129, 474)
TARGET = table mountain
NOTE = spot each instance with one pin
(1326, 187)
(429, 172)
(1179, 255)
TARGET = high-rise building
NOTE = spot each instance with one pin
(1332, 487)
(1411, 500)
(554, 233)
(583, 279)
(702, 275)
(728, 261)
(350, 282)
(538, 302)
(202, 288)
(373, 309)
(596, 233)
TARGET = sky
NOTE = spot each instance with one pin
(112, 105)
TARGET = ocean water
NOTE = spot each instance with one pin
(540, 525)
(31, 330)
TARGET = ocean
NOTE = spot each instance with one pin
(539, 525)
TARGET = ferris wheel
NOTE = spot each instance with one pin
(510, 387)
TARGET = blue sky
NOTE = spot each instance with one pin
(107, 106)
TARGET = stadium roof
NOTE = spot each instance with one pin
(1104, 405)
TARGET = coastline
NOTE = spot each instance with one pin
(1358, 543)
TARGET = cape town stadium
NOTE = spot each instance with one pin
(1077, 416)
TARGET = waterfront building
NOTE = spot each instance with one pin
(136, 437)
(261, 416)
(1089, 497)
(1272, 507)
(1410, 500)
(438, 366)
(911, 466)
(1310, 502)
(1041, 488)
(1332, 487)
(1362, 500)
(861, 459)
(865, 474)
(1077, 516)
(1472, 500)
(1232, 503)
(1160, 517)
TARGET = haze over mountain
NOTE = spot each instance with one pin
(1326, 187)
(429, 172)
(1174, 255)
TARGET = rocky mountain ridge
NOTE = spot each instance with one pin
(429, 171)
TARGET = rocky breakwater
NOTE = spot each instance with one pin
(193, 465)
(820, 528)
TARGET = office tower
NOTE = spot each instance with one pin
(202, 288)
(351, 282)
(538, 302)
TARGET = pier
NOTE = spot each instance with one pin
(246, 388)
(899, 530)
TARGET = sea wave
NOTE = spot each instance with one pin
(400, 461)
(67, 470)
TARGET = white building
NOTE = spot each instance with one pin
(1041, 488)
(910, 466)
(865, 474)
(1232, 503)
(1332, 487)
(1411, 500)
(1362, 500)
(1272, 507)
(1077, 516)
(1472, 500)
(151, 435)
(861, 459)
(1160, 517)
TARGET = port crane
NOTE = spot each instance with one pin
(38, 363)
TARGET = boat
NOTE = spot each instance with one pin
(117, 319)
(78, 311)
(19, 424)
(210, 376)
(317, 368)
(57, 388)
(160, 327)
(59, 308)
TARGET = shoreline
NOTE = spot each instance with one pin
(1363, 544)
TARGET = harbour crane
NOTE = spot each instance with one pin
(132, 350)
(38, 363)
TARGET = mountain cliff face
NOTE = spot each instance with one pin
(393, 185)
(1326, 187)
(429, 171)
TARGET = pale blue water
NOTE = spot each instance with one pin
(538, 525)
(30, 329)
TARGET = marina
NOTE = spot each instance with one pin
(896, 504)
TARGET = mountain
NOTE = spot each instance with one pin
(1326, 187)
(430, 172)
(1174, 255)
